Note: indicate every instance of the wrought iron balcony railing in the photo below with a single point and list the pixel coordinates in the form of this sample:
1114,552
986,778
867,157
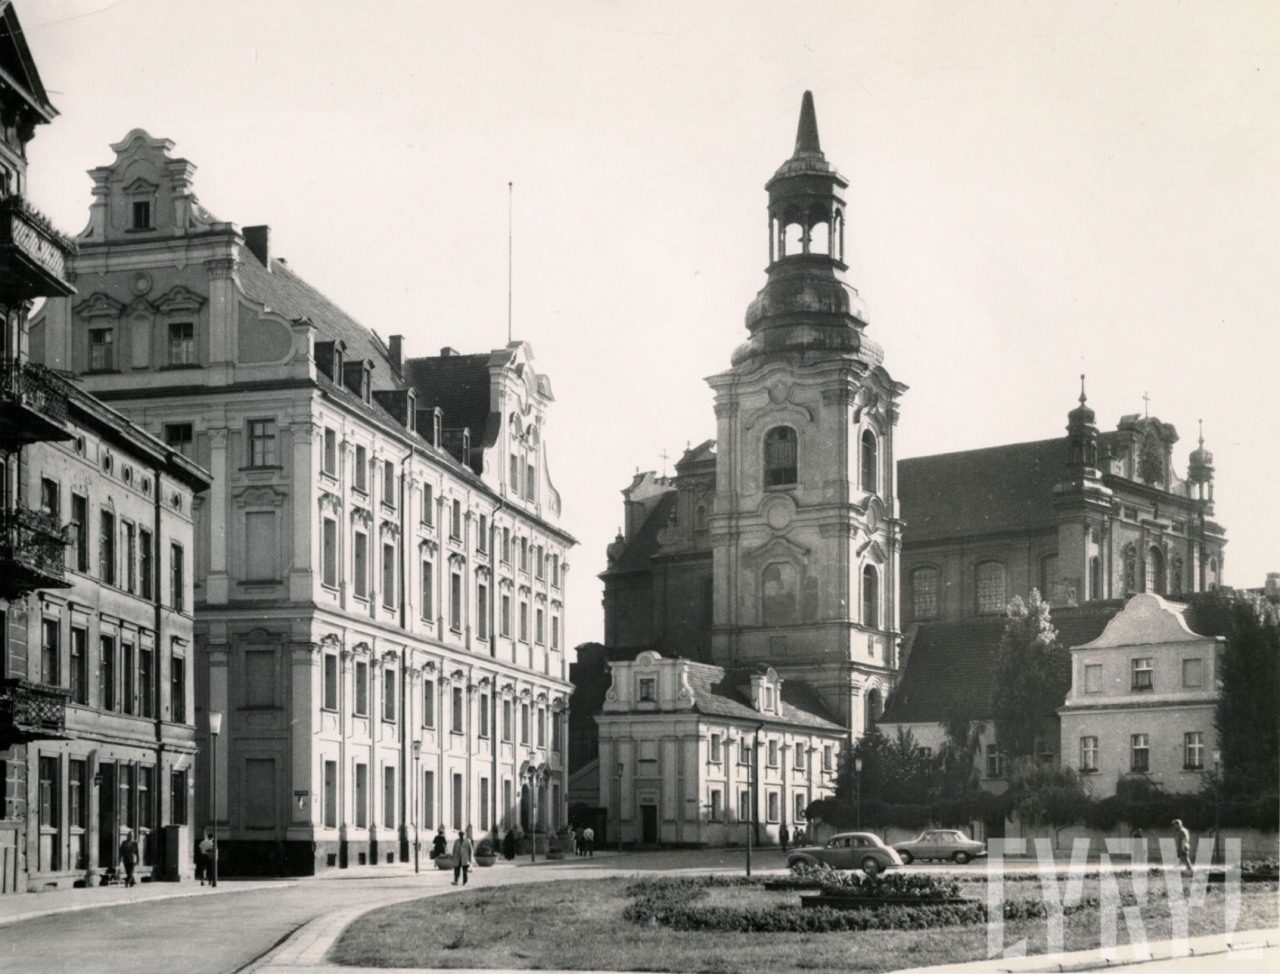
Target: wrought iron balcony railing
32,386
30,711
33,255
32,551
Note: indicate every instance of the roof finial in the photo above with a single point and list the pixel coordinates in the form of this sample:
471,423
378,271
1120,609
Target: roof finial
1146,405
1083,398
807,133
1201,424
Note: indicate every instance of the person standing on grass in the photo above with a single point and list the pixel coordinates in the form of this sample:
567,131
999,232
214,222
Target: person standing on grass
1183,838
461,858
589,841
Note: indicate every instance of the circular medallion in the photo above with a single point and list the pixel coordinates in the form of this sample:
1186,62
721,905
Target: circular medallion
779,512
140,284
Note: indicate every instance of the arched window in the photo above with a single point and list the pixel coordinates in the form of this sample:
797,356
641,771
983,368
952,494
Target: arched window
1048,576
988,580
780,595
780,457
1130,569
924,593
873,707
1213,573
1175,579
1155,570
870,597
869,480
1095,578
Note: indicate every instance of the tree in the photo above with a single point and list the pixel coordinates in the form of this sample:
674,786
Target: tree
1033,675
957,771
1248,714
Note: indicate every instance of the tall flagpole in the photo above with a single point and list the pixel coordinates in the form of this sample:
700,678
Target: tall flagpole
510,192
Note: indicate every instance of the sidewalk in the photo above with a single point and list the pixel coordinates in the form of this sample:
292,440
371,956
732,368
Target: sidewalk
28,906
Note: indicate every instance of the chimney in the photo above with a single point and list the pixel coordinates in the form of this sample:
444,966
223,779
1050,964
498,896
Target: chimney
447,352
395,348
1273,585
258,240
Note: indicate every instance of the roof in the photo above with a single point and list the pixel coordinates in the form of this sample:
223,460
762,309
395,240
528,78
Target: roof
716,693
458,384
639,551
19,67
950,659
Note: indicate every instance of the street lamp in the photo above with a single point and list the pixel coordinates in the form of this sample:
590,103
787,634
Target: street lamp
857,767
1217,793
215,728
417,786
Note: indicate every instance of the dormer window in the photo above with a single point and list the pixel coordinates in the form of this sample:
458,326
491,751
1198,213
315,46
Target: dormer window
768,698
142,215
337,362
364,385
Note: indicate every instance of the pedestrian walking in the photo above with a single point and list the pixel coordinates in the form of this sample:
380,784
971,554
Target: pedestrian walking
128,857
439,844
579,842
509,845
589,841
784,837
204,858
461,858
1183,838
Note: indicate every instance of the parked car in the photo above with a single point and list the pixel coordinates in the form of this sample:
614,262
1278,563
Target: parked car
940,844
849,850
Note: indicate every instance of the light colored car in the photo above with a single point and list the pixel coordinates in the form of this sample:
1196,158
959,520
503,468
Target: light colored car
940,844
849,850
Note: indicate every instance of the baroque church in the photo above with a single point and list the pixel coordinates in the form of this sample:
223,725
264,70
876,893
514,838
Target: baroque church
793,584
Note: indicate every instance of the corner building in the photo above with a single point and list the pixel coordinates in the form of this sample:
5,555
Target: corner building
379,580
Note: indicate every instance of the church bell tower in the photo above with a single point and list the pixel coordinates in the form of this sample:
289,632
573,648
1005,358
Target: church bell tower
806,536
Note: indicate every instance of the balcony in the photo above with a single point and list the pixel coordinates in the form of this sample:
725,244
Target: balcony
33,255
32,552
31,711
33,405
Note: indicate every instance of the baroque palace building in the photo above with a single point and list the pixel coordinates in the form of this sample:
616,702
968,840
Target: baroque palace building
380,568
97,735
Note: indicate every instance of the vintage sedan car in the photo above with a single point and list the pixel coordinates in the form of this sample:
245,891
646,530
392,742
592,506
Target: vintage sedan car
940,844
849,850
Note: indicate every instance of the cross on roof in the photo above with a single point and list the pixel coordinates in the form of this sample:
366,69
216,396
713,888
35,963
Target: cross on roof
1146,405
665,458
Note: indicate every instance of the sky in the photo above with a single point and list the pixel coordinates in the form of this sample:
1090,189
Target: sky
1037,190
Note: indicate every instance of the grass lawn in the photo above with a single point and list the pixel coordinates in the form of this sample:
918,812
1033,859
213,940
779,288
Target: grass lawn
578,925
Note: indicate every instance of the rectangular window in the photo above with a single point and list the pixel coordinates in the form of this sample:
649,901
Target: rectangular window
330,463
182,343
484,804
524,723
717,802
744,751
515,475
388,483
141,215
482,535
506,546
389,797
129,795
827,758
428,591
989,580
146,682
555,571
362,470
1142,673
107,673
362,796
1139,753
50,499
524,554
262,443
455,602
506,720
427,504
130,558
146,569
178,797
80,531
555,631
484,715
539,625
107,547
177,577
1193,751
772,806
538,562
330,682
102,356
482,612
457,801
542,727
455,522
50,652
178,688
648,689
362,688
146,798
800,757
556,743
457,712
524,622
77,794
330,554
180,437
80,667
389,576
802,803
428,703
995,762
773,754
50,814
505,619
530,482
331,794
1193,673
1092,677
388,694
360,566
744,805
715,748
428,799
1088,753
127,688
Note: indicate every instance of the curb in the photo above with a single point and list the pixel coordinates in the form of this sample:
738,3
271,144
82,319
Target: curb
183,895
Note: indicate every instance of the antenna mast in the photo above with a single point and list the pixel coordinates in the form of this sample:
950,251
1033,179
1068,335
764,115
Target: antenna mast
510,192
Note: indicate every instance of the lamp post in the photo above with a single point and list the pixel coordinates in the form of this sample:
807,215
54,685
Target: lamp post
857,768
417,787
1217,792
215,728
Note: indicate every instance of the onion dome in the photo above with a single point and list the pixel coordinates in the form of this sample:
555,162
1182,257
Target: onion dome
1201,467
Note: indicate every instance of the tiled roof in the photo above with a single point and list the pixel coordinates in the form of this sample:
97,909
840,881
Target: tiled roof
950,659
640,549
459,385
715,695
285,293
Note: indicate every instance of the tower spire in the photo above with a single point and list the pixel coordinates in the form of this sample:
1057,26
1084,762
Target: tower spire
807,131
1083,397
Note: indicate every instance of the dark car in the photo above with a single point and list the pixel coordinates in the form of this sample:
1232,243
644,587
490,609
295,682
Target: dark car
849,850
940,844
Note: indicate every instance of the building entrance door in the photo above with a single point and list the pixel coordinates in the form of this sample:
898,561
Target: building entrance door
649,824
108,837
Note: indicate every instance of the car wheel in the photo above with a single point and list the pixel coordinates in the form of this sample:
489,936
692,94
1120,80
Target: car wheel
907,858
961,858
870,866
